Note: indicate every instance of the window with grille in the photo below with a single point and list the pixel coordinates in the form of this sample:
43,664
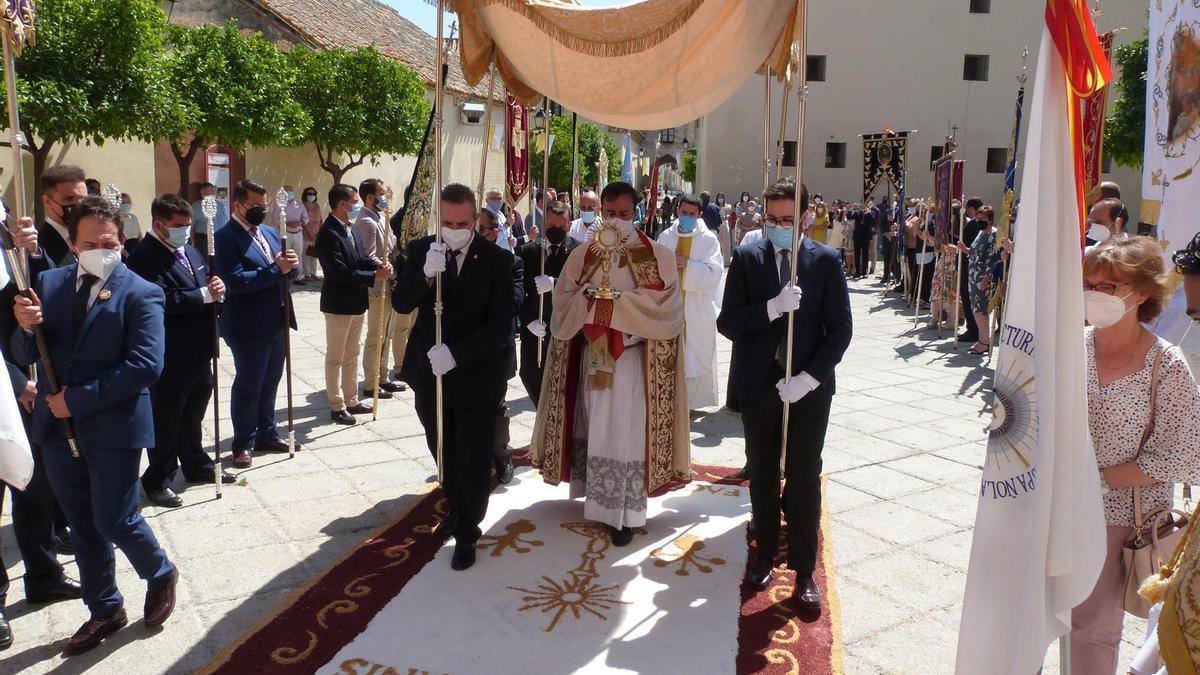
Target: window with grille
815,70
975,67
835,155
997,160
981,6
666,136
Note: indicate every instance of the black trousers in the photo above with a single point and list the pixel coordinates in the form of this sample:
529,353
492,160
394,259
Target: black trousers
530,372
862,256
180,401
33,527
971,330
501,450
467,454
889,260
762,420
925,276
910,269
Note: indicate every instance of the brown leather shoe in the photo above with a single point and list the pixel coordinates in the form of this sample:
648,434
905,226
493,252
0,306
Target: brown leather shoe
91,633
279,445
807,595
160,603
242,459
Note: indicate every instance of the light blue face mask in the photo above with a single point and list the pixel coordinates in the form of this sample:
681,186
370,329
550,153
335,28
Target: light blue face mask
781,237
355,211
588,217
687,224
178,236
383,204
495,204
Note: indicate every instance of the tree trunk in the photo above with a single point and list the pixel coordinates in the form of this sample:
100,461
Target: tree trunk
184,161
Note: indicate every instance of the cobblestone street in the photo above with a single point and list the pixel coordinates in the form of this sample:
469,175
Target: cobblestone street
903,455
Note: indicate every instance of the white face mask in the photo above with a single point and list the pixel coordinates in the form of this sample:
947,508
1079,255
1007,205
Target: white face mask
1191,349
457,240
99,262
625,225
1103,310
1098,232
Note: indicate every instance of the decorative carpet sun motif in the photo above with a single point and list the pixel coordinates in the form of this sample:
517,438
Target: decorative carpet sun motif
550,594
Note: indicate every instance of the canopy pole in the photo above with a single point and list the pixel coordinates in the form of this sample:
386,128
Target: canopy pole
487,129
436,212
799,64
783,117
16,138
545,207
574,163
766,129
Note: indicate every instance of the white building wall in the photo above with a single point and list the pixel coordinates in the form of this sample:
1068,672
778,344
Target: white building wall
908,79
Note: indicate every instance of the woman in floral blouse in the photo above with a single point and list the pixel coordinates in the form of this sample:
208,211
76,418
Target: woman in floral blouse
1124,287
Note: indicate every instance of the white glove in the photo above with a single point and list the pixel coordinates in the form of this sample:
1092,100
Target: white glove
545,284
435,259
788,300
538,328
795,389
441,361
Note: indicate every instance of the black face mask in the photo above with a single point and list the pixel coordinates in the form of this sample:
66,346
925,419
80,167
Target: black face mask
556,235
255,215
68,210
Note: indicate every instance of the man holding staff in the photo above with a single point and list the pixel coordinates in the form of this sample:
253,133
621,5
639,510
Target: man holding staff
477,314
758,298
379,243
543,262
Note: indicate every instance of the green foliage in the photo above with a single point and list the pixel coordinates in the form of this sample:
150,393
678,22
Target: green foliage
235,89
689,165
591,139
96,72
361,103
1125,129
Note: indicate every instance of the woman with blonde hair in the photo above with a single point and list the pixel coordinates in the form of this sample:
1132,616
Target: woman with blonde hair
1144,419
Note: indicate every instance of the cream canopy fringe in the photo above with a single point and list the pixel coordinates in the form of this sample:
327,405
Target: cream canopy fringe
653,64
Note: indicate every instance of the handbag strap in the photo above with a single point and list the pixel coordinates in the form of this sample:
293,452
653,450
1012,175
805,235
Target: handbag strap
1154,376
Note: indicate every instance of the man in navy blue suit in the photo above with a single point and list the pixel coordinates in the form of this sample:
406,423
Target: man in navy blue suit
253,263
180,397
758,298
103,326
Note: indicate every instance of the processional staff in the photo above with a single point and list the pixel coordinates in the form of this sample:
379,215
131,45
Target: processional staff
548,115
385,308
281,200
436,211
208,206
799,65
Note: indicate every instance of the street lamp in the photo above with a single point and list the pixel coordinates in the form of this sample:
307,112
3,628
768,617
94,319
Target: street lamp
686,145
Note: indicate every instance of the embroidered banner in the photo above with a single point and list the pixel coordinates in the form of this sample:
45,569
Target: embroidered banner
1093,131
516,150
947,186
19,14
883,156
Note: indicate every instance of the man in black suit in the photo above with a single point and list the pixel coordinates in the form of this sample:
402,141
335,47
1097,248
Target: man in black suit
757,300
62,189
866,221
180,396
557,247
349,275
477,298
488,227
34,509
970,229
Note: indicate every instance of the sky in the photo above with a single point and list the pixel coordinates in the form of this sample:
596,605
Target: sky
425,15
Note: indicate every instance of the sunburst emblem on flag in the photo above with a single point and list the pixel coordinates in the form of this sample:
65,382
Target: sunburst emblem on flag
1013,432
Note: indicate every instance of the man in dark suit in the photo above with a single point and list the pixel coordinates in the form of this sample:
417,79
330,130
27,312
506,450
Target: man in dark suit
970,229
488,227
252,262
557,246
349,275
180,397
477,296
758,297
62,189
34,508
104,328
866,221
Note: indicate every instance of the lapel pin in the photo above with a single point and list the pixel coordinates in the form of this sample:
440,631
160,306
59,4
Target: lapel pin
475,257
104,294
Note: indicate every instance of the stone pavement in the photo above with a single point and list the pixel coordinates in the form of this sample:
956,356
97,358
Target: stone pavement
902,455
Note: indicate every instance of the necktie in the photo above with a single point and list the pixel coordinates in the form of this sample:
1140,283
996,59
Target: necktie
785,276
183,260
262,243
452,265
79,305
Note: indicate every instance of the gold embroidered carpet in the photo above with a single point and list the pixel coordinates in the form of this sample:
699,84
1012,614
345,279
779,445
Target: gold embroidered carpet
550,594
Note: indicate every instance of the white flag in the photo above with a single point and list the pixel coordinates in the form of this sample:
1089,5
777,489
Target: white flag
16,460
1039,537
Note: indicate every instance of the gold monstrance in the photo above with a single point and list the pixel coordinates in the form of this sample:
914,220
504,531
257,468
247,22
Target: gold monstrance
607,241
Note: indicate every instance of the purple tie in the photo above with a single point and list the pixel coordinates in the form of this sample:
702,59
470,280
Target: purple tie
262,243
182,258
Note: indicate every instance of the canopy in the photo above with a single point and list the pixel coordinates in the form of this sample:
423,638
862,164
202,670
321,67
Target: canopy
653,64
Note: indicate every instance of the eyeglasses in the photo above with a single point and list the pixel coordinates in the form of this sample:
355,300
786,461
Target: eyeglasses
785,223
1107,289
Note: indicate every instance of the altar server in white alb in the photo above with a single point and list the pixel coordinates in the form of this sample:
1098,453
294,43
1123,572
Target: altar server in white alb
698,259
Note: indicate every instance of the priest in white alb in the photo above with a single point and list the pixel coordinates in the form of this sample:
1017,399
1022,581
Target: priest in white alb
612,420
699,262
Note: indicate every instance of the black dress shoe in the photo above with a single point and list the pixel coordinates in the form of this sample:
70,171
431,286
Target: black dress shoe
758,574
504,472
66,589
742,473
383,393
464,556
965,337
164,497
394,387
92,632
63,543
622,536
207,478
807,595
360,409
446,528
6,636
343,417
